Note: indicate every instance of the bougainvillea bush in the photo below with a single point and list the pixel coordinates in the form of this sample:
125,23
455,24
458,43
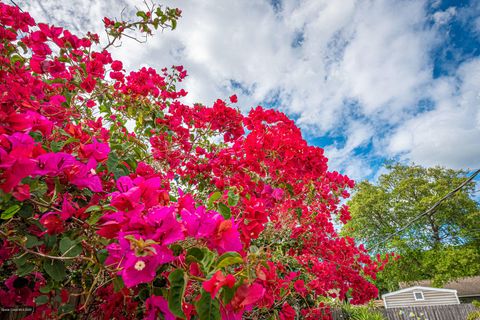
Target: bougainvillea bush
118,201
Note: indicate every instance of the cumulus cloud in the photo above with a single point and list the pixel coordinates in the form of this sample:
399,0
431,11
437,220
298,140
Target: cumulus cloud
359,135
444,17
353,68
447,135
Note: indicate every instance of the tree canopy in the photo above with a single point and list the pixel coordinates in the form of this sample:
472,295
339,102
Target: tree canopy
441,245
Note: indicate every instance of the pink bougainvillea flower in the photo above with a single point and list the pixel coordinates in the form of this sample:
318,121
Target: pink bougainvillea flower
155,305
233,98
16,152
199,223
124,183
138,258
96,150
217,281
84,176
128,201
54,164
167,229
150,190
30,121
18,170
277,194
138,270
226,237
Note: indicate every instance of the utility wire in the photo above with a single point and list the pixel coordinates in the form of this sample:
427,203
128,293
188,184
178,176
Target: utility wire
16,5
432,209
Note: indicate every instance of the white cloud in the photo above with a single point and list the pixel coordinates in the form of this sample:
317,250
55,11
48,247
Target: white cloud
449,134
359,135
358,68
444,17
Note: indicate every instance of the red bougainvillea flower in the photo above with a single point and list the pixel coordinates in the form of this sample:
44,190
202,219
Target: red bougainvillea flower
299,286
217,281
72,168
52,222
21,290
287,313
117,65
22,192
245,296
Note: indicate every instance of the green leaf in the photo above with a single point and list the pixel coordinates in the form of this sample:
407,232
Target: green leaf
229,258
55,269
177,290
21,260
50,240
23,46
207,308
16,58
32,241
214,197
142,14
118,284
174,24
207,260
94,217
102,255
56,146
41,300
93,208
120,171
177,249
227,294
233,198
70,248
299,213
8,214
194,254
25,269
66,308
224,211
47,288
37,136
290,189
26,211
112,162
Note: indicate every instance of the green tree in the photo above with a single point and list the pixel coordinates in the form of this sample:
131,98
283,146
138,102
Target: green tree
441,245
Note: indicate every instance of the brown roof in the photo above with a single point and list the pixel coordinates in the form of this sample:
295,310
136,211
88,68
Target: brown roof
465,286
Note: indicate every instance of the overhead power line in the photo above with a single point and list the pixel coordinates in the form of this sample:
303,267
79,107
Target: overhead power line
16,5
430,210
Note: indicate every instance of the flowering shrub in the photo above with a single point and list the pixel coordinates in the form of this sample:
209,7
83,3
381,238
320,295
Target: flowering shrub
119,201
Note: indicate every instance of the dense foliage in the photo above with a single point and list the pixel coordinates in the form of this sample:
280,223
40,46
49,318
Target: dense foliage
119,201
440,246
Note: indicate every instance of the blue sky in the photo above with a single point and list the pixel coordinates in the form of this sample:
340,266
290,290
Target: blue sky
368,80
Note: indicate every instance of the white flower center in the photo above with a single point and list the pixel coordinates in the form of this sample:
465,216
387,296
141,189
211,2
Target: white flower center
140,265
